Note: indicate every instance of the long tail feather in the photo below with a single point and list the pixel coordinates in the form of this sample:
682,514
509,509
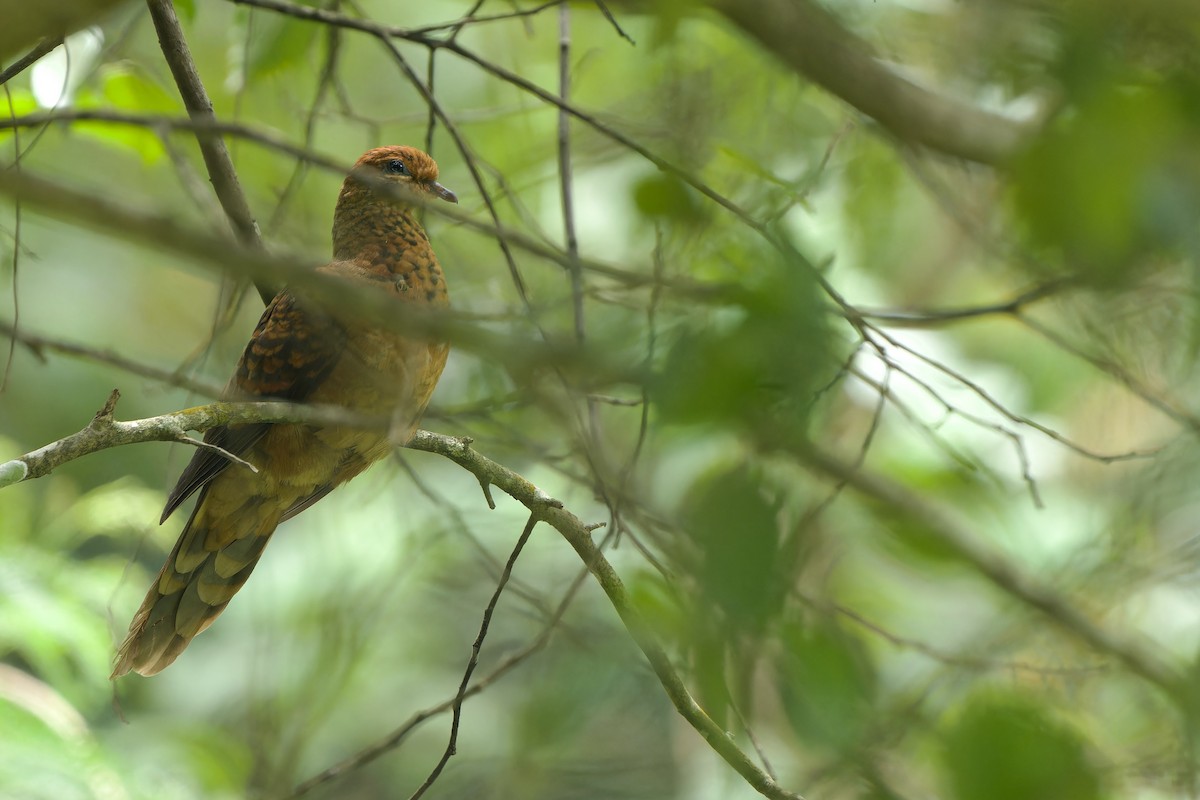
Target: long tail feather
208,565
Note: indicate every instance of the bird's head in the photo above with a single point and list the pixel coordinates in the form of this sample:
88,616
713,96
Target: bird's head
403,166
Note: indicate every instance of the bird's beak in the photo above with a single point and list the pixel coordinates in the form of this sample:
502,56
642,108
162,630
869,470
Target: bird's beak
443,192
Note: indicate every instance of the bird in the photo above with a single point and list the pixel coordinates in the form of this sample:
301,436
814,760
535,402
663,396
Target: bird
303,353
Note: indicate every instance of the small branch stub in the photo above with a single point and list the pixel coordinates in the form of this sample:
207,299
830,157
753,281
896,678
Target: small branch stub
104,416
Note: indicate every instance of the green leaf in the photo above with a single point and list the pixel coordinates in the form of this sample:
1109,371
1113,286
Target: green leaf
737,532
755,364
1115,179
664,196
274,44
1006,747
828,684
127,90
22,102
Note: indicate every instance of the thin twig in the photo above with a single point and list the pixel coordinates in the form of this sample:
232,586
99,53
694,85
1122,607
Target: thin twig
16,253
471,18
564,168
1174,410
37,344
396,737
542,249
950,659
325,82
23,63
931,318
456,708
612,20
986,397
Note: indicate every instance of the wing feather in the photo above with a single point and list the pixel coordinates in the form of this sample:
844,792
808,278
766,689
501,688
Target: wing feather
290,353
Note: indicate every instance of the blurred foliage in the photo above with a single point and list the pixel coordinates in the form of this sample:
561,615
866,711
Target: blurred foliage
864,658
1009,747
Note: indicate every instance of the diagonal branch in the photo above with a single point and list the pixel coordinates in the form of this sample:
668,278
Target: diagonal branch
456,706
163,230
37,345
39,50
105,432
812,42
216,155
579,536
1001,572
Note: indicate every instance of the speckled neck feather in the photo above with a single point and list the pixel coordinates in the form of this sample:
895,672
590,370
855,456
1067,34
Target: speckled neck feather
382,234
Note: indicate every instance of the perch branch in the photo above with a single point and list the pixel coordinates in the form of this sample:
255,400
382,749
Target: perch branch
105,432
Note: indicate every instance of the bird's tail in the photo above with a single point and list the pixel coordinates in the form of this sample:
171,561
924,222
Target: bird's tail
214,556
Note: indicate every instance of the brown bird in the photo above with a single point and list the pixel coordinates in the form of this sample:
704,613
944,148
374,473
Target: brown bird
300,352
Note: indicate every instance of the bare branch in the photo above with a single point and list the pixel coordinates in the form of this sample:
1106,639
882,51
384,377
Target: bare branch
221,451
456,708
456,25
330,292
396,737
159,123
809,40
29,59
36,344
1005,575
216,157
928,318
577,534
1168,406
105,432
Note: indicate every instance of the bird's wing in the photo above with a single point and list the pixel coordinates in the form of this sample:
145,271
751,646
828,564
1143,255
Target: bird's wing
290,353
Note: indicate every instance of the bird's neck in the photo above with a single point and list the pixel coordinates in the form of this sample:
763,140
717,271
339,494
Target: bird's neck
372,229
384,238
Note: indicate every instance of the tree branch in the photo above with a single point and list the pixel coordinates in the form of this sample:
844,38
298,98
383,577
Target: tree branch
163,231
1001,572
218,253
105,432
811,41
29,59
37,344
579,537
463,686
216,155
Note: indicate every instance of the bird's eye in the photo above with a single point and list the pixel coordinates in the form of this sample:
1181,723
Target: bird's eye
395,167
